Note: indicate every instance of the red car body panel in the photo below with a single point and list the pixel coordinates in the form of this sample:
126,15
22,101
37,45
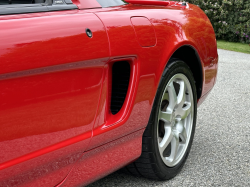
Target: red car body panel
144,30
45,98
56,125
83,4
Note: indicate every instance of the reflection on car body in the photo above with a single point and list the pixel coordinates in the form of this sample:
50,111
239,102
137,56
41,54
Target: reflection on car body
88,87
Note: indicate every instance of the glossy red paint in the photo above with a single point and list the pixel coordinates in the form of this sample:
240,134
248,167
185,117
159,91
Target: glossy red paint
156,2
50,85
149,2
55,86
84,4
105,160
144,31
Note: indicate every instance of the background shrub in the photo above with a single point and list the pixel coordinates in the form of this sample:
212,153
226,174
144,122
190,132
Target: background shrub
230,18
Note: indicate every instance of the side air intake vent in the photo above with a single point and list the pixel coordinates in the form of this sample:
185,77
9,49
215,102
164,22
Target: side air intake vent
120,82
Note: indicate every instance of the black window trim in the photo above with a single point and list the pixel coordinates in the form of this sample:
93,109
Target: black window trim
49,5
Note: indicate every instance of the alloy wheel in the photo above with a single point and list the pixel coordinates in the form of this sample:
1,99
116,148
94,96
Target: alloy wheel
175,119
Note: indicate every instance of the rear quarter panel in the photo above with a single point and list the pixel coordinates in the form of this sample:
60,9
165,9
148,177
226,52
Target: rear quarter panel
174,27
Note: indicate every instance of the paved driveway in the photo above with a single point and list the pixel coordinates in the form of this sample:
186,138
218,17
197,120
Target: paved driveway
220,155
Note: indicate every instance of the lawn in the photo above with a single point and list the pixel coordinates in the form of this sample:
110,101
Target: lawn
232,46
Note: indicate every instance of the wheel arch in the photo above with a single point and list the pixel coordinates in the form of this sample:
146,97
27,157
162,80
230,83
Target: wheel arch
190,56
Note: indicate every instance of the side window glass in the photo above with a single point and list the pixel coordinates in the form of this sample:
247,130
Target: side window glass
110,3
8,2
8,7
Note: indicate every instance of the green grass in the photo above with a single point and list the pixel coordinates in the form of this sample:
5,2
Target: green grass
232,46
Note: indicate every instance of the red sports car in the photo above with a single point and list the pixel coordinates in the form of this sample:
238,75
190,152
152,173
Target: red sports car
90,86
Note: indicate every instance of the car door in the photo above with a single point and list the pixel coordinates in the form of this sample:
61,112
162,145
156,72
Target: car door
51,72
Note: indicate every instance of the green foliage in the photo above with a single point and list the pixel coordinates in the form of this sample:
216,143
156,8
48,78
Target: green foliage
233,46
230,18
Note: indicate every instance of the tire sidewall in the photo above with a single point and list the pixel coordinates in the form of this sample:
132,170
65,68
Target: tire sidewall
174,67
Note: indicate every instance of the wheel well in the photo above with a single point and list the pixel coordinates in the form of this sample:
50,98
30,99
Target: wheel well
191,58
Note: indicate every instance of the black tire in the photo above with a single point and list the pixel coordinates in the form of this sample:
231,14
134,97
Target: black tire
150,163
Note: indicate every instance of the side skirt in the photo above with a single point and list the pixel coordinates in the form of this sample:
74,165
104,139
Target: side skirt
103,160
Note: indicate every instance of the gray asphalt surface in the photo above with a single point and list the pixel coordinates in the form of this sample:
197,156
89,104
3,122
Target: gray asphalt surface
220,155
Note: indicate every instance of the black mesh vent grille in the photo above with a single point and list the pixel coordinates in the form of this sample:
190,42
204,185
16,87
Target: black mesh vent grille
120,82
